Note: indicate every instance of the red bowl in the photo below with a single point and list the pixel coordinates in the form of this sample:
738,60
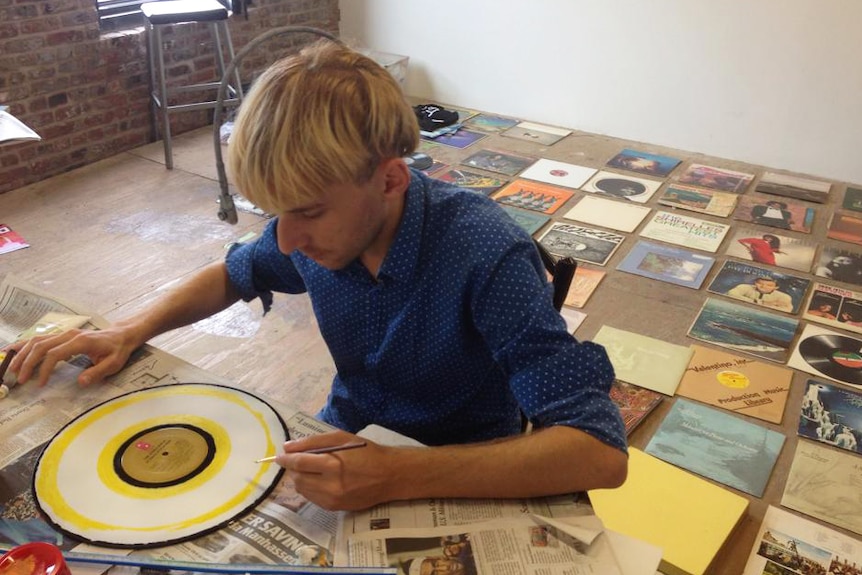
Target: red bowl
35,558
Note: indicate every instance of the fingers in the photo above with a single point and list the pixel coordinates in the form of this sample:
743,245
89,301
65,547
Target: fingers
34,352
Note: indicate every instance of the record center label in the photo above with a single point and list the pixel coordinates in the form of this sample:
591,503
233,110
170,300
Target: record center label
847,359
164,455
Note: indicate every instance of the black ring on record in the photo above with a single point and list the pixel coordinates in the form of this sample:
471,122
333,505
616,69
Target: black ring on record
818,350
121,471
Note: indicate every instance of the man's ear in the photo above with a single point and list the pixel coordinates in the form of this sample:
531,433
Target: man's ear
395,175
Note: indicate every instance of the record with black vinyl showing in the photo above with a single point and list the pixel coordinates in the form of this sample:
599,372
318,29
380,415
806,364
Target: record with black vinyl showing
620,187
159,465
836,356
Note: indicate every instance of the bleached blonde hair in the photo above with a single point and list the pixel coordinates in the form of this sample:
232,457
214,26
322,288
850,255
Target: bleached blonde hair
325,116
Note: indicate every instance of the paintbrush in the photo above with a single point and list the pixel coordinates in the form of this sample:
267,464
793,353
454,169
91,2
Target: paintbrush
330,449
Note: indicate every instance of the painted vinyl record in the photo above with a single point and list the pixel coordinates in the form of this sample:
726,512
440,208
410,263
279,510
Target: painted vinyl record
620,187
836,356
159,465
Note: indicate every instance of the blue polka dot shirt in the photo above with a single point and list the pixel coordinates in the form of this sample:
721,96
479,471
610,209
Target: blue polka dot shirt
454,337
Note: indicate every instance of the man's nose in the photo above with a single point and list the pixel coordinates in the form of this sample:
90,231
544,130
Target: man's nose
291,236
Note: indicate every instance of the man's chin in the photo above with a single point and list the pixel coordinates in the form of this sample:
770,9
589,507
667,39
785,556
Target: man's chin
332,264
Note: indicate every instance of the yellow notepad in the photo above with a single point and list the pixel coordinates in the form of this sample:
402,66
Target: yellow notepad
688,517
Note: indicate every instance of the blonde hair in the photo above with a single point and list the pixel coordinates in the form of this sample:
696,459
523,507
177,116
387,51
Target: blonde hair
323,117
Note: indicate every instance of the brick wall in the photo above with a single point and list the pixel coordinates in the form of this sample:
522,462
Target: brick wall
86,91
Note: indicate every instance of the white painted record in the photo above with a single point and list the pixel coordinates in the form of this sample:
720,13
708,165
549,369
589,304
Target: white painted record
159,465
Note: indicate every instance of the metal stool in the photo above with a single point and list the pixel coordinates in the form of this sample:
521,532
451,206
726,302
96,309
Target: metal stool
215,15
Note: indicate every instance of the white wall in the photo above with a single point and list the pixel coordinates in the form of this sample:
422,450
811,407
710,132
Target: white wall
771,82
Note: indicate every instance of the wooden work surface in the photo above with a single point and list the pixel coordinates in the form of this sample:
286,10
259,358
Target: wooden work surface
112,236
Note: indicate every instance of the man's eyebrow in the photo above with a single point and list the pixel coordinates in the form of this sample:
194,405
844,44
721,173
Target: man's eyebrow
305,208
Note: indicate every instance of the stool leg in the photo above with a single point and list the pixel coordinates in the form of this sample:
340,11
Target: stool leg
161,99
234,87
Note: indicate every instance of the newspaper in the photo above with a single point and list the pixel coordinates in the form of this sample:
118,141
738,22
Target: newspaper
284,529
530,545
542,535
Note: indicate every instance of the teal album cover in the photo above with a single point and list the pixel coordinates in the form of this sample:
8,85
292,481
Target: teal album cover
717,445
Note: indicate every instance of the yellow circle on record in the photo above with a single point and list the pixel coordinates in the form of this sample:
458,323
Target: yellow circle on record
144,466
200,468
733,379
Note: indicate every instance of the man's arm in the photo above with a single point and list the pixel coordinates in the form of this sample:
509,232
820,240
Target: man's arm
549,461
205,293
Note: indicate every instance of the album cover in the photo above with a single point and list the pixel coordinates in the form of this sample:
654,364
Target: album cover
490,124
736,383
832,415
712,202
11,241
464,114
839,264
474,181
717,445
823,483
826,353
835,307
716,178
433,168
621,186
583,244
667,264
785,541
760,286
608,213
845,227
794,187
460,138
772,249
852,199
530,221
744,329
534,196
558,173
537,133
643,163
573,318
768,211
685,231
634,403
499,162
644,361
583,285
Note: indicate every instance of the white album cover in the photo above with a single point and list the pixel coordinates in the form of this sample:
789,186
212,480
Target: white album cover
608,214
558,173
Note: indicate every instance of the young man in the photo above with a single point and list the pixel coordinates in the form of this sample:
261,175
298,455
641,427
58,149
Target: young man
764,291
432,301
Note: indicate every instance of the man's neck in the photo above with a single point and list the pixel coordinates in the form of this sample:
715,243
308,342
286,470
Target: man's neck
372,258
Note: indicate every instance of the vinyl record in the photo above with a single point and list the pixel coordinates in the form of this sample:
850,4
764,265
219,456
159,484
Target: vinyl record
836,356
620,187
159,465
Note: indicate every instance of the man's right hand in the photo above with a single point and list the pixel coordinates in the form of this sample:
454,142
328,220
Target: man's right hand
108,349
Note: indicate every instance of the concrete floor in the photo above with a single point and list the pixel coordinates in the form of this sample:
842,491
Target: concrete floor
114,235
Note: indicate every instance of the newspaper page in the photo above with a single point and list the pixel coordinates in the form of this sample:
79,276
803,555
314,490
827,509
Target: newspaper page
530,545
268,534
284,528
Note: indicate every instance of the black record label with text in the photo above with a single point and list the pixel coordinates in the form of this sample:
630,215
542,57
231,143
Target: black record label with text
836,356
159,465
